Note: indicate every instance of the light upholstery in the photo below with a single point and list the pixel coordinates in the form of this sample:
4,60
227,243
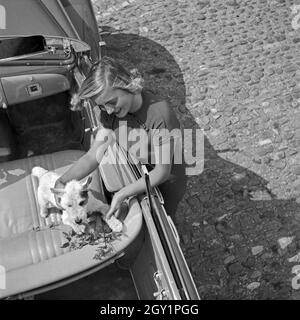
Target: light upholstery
30,250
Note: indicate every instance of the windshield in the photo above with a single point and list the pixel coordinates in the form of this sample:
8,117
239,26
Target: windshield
84,20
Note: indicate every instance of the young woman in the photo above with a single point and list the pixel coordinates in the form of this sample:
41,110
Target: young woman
125,104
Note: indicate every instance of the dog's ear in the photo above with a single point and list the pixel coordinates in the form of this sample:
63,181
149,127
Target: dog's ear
87,183
58,192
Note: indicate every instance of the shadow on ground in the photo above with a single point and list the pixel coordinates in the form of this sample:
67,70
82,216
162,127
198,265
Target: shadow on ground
230,222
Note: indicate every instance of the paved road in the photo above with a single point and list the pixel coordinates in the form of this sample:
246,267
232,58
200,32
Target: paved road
230,67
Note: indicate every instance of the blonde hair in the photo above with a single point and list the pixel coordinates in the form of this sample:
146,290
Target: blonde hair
106,72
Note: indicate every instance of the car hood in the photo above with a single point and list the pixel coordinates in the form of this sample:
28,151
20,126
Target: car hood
72,19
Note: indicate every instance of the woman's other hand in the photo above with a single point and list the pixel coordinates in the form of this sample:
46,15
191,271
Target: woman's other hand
116,202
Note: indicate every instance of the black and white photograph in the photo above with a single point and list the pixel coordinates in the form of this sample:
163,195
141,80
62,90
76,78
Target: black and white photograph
149,150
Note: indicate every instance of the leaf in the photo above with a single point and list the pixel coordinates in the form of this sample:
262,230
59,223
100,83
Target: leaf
67,236
65,245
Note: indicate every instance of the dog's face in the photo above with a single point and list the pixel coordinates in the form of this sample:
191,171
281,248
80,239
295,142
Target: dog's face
74,200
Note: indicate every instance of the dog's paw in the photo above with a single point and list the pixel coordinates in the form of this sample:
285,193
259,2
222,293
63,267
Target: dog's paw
79,228
114,224
44,213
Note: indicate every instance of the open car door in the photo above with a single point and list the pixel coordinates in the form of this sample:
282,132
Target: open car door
172,276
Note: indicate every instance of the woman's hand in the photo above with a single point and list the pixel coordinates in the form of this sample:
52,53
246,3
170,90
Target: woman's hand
158,175
116,202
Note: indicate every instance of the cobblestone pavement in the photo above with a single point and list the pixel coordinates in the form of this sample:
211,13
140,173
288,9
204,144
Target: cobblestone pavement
230,67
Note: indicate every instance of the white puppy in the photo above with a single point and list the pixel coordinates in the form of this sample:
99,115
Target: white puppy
73,200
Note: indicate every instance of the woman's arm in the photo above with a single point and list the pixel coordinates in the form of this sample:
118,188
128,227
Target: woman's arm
158,175
88,162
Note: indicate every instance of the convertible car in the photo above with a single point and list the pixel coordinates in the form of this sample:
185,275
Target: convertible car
46,49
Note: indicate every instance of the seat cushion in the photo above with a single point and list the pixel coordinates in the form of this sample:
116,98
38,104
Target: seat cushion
30,249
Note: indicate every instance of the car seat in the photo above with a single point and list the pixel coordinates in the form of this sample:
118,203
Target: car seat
31,251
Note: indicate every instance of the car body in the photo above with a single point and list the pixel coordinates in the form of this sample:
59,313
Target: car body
43,59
